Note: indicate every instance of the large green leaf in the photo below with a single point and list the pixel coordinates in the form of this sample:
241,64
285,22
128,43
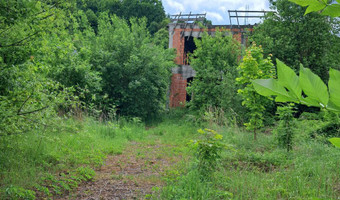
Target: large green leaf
335,142
271,87
332,107
288,79
310,102
304,2
332,10
313,86
315,6
334,88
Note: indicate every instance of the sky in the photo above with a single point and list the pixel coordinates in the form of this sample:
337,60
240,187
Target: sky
216,10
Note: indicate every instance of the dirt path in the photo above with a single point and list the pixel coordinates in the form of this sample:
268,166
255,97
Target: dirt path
131,175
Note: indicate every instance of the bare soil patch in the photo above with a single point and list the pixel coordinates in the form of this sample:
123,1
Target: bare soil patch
131,175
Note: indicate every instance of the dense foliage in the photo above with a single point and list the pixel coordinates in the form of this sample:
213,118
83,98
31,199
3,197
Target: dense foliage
285,130
214,61
49,48
295,38
135,72
67,68
152,10
28,96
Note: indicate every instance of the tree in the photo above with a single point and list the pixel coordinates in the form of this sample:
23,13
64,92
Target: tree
254,66
28,98
67,52
214,61
152,10
295,38
135,72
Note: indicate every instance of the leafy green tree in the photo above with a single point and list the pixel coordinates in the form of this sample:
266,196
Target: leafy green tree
28,98
135,72
295,38
214,61
67,52
254,66
152,10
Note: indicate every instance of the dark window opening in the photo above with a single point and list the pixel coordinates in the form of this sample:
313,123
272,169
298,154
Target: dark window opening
189,48
189,81
243,39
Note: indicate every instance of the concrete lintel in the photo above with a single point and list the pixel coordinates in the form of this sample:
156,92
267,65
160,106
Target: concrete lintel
185,70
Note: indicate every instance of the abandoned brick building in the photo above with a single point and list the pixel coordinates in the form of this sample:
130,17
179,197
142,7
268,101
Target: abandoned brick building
182,31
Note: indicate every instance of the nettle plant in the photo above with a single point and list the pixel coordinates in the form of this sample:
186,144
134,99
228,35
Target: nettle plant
307,89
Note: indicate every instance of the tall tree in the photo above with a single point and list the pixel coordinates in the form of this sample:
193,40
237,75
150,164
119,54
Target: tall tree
152,10
135,71
296,38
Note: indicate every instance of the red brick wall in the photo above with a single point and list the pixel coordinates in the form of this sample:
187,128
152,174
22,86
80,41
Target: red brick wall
178,91
178,44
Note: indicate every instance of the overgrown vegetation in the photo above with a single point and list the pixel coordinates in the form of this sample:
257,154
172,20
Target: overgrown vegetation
80,79
290,35
215,61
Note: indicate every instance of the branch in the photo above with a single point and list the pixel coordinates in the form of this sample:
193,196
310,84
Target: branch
33,111
23,104
20,41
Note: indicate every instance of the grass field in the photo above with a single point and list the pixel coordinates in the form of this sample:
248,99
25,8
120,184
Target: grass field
53,162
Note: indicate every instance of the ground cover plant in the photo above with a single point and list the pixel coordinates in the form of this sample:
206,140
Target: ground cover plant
51,162
261,170
247,169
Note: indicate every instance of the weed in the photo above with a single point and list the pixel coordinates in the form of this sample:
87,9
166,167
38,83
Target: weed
286,128
208,150
15,192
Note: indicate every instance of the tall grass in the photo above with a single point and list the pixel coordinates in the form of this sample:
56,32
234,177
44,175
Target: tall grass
261,170
26,160
255,170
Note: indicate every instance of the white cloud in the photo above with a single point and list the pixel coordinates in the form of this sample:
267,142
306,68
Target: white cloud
214,15
178,7
223,9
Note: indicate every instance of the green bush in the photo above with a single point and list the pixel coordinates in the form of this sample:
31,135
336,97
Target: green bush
214,61
135,72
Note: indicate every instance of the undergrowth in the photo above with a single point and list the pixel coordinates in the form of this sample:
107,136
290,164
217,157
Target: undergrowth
261,170
53,161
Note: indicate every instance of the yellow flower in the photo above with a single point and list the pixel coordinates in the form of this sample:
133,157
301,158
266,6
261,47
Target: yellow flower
218,136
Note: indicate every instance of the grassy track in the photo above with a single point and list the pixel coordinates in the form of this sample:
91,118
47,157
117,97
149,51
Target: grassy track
53,163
